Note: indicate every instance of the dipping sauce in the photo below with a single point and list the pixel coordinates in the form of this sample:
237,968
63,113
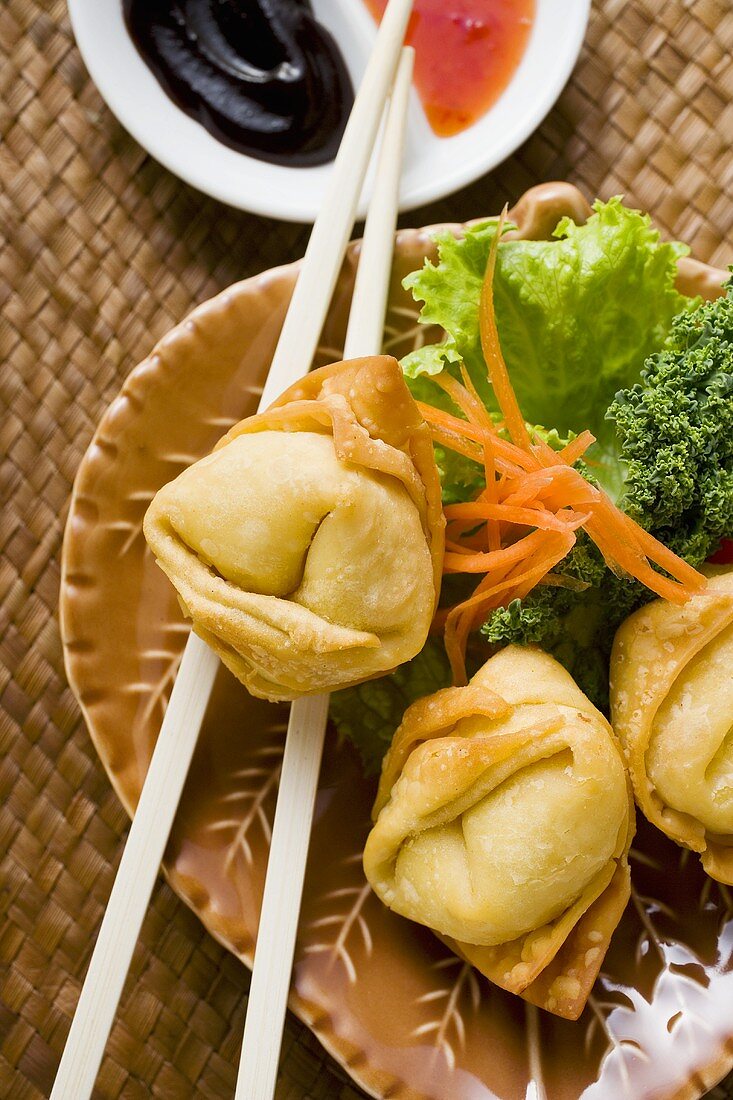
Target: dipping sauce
262,76
466,52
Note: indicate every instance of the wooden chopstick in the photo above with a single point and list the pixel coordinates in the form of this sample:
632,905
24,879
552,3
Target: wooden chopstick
307,726
179,732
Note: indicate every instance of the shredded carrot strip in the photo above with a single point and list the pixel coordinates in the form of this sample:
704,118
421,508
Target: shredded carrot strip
529,517
655,550
634,551
490,493
470,405
571,452
509,452
495,588
442,419
491,348
446,438
484,417
493,532
462,618
465,547
483,563
555,487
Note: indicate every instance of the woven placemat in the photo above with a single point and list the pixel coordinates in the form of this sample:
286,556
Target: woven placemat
102,252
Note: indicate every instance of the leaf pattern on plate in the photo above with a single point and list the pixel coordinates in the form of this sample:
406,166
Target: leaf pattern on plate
224,423
328,353
457,989
338,927
132,529
250,805
156,692
401,326
707,897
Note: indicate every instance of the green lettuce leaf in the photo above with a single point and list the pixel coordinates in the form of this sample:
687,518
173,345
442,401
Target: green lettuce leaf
577,316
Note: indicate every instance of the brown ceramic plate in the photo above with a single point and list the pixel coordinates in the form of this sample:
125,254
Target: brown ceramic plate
403,1015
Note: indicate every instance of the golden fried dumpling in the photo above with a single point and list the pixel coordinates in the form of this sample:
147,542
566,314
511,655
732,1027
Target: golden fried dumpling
307,548
672,707
503,822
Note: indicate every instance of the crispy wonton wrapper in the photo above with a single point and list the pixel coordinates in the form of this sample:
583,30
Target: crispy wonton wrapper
672,707
307,548
503,822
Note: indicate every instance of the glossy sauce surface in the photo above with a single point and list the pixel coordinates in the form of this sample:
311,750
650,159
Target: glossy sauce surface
466,52
262,76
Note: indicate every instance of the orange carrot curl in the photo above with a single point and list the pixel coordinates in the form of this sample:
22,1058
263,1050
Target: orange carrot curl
528,486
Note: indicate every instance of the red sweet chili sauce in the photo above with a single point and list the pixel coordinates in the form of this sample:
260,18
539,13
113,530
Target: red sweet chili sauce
466,52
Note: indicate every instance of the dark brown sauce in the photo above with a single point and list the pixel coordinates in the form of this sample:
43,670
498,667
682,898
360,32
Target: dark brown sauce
262,76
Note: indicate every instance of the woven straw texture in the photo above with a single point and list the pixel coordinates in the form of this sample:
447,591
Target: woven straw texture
102,252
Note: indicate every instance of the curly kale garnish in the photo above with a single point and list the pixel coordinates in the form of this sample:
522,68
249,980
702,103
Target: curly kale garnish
675,434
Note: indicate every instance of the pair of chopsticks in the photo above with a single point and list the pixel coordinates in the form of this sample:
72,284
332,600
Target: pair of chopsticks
388,74
307,725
